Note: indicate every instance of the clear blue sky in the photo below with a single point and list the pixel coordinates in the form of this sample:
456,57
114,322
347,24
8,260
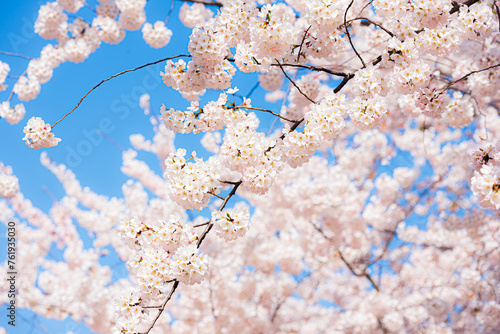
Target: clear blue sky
114,103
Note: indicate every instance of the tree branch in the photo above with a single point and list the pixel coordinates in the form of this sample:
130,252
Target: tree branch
301,43
465,77
456,5
222,206
114,76
375,24
293,82
314,68
162,308
206,2
15,54
268,111
349,35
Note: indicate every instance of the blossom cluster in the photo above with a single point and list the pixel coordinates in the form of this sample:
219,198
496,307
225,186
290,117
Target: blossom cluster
194,15
4,71
9,184
155,267
157,35
231,225
38,134
485,183
192,184
14,114
212,117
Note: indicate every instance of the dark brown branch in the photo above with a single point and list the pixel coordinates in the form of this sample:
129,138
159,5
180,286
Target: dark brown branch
456,5
364,273
294,126
302,43
214,194
293,82
202,224
114,76
206,2
162,308
370,21
466,76
314,68
222,206
349,35
230,182
498,13
343,83
268,111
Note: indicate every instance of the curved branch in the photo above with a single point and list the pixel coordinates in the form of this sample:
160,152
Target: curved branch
114,76
268,111
206,2
302,43
222,206
349,35
370,21
314,68
293,82
456,5
466,76
162,308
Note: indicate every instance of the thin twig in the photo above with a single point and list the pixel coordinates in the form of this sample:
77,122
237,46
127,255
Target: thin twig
12,91
90,7
363,273
222,206
392,233
206,2
301,43
49,193
293,82
160,310
268,111
375,24
456,8
498,13
349,35
230,182
465,77
314,68
456,5
202,224
257,84
111,140
15,54
114,76
214,194
170,11
362,9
